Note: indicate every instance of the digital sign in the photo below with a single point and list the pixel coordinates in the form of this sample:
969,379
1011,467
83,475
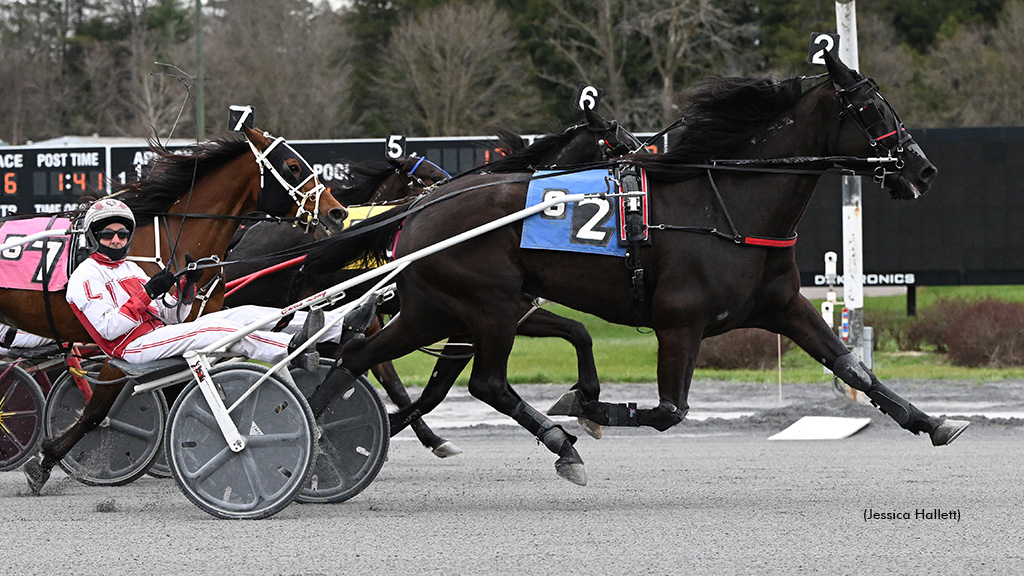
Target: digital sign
49,179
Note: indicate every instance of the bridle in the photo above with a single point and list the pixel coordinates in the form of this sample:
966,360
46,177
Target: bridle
415,181
868,115
625,142
276,153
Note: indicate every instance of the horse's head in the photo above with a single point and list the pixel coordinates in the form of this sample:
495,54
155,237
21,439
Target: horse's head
418,174
293,188
870,125
613,139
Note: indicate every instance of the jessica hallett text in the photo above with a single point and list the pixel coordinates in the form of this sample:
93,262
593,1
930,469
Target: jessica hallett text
871,514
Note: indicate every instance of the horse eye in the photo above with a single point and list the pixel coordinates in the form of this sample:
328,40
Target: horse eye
295,168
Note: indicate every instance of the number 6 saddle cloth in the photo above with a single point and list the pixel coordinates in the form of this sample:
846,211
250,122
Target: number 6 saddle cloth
592,225
24,266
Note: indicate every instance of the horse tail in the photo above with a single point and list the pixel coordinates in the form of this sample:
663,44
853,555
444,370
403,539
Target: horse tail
366,243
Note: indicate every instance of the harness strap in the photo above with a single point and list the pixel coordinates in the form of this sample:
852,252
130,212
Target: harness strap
734,235
633,231
47,274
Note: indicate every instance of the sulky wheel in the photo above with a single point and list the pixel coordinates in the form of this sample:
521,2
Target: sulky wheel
354,440
21,416
265,476
159,467
122,447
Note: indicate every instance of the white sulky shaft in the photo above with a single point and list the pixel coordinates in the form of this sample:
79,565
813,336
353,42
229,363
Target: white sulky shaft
18,240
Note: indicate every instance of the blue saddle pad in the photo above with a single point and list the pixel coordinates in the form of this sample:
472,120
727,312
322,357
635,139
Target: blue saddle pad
588,226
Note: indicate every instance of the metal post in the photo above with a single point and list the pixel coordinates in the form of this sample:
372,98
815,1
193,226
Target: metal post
200,106
853,245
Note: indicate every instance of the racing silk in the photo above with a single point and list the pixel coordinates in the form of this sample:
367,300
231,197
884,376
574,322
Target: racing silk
109,300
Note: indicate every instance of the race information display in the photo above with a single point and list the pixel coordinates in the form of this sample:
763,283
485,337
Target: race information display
49,180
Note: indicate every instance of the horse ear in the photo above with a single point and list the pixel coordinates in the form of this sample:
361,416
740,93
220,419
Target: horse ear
837,70
255,135
395,163
595,121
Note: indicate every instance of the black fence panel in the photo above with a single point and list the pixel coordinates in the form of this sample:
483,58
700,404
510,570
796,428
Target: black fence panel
966,230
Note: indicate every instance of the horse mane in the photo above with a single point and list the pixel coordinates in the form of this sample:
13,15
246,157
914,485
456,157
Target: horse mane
172,175
364,179
525,159
724,116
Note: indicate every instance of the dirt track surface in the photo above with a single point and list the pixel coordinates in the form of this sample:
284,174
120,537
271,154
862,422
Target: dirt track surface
707,497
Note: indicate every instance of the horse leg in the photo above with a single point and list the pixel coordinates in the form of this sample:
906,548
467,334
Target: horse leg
544,323
402,336
51,451
801,323
677,358
489,383
387,376
442,378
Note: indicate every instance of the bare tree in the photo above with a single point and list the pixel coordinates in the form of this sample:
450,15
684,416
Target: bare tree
286,57
686,38
455,70
595,43
31,95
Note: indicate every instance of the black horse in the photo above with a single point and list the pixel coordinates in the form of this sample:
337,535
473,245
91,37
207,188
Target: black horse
380,182
725,203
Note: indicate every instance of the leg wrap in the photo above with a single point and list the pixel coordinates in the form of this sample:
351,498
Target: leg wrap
622,414
662,417
852,371
550,434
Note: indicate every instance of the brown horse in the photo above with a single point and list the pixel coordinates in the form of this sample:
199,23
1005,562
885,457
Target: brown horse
188,204
725,203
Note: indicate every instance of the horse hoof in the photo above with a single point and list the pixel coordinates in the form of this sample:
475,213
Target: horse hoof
446,449
572,471
35,474
948,431
568,405
590,427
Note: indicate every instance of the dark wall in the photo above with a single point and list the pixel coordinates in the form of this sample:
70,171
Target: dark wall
966,230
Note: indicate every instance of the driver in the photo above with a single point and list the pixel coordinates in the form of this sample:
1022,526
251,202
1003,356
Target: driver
132,316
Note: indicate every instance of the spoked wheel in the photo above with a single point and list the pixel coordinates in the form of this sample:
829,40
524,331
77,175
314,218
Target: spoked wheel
266,475
124,445
21,416
354,440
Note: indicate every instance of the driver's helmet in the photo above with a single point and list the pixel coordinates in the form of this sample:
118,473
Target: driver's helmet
100,215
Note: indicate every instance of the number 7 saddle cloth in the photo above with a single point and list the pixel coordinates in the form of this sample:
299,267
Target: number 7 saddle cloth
24,266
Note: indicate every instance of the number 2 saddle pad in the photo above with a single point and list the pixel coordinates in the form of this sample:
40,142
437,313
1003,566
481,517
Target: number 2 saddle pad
588,226
24,266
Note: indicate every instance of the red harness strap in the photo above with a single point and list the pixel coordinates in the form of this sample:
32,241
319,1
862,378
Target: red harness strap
770,242
238,283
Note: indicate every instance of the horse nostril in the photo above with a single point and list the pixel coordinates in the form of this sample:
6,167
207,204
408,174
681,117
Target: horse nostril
337,214
929,173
